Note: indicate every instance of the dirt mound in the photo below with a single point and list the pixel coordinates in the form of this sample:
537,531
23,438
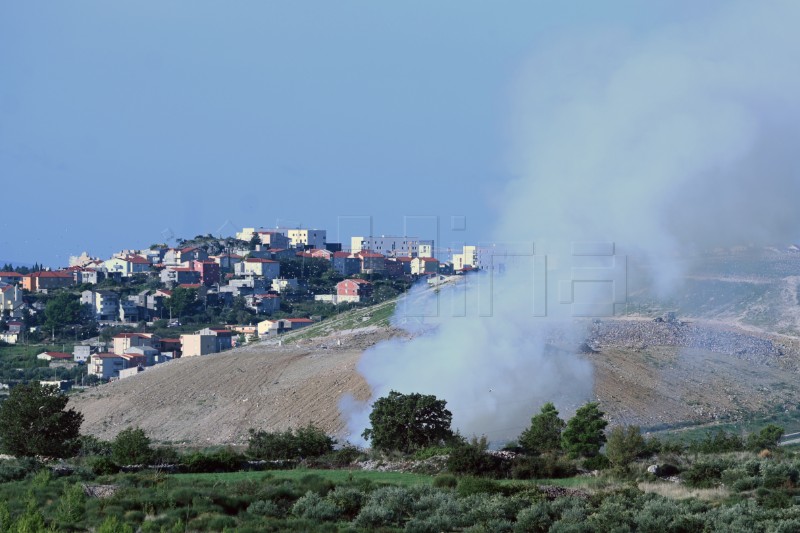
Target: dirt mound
215,399
646,373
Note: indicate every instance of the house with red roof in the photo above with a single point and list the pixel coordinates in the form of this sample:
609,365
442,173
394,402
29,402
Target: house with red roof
371,263
128,265
10,277
46,280
353,290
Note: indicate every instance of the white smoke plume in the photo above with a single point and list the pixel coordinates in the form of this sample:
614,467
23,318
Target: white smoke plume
679,141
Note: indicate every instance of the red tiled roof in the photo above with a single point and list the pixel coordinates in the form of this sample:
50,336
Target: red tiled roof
403,259
164,291
137,260
358,281
6,288
59,355
181,269
189,285
188,249
170,340
428,259
341,254
49,274
105,355
258,260
369,254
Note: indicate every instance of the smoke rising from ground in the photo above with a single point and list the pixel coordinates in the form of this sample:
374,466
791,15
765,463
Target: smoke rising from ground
679,141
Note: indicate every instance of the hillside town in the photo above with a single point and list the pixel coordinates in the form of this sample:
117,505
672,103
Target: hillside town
142,307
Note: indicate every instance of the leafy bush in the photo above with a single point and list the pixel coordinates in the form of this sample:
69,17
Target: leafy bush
598,462
544,433
264,508
535,519
445,481
704,474
102,465
766,439
719,442
469,485
471,458
386,506
624,445
432,451
313,507
16,469
224,460
131,447
547,466
348,500
298,444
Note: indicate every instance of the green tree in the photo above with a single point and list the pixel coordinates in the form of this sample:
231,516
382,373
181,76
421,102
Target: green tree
583,434
766,439
624,445
62,310
544,434
131,447
408,422
182,302
34,421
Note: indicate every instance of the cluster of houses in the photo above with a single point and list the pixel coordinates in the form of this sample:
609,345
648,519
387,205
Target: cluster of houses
251,270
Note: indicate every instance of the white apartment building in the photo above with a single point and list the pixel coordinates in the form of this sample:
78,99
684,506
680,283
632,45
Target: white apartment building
393,246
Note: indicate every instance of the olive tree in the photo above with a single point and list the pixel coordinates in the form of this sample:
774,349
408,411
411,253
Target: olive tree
34,421
408,422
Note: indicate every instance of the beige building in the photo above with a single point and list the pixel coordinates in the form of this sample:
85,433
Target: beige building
393,246
125,341
424,265
197,344
468,258
314,238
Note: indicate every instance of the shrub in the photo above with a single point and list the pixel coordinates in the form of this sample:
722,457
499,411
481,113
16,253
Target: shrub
535,519
224,460
264,508
548,466
766,439
386,506
469,485
624,445
348,500
471,458
445,481
704,474
719,442
598,462
131,447
313,507
16,469
298,444
432,451
102,465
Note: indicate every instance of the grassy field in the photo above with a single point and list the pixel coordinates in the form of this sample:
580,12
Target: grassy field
393,478
376,315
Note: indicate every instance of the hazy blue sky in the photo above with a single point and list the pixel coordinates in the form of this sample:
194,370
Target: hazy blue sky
120,120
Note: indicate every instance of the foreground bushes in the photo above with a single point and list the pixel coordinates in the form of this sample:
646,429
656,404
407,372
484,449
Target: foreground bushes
298,444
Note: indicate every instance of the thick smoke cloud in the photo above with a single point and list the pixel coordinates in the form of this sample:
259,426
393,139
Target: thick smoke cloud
679,141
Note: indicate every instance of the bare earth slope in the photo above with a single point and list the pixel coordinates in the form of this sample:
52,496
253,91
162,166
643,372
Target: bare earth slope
645,373
216,399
